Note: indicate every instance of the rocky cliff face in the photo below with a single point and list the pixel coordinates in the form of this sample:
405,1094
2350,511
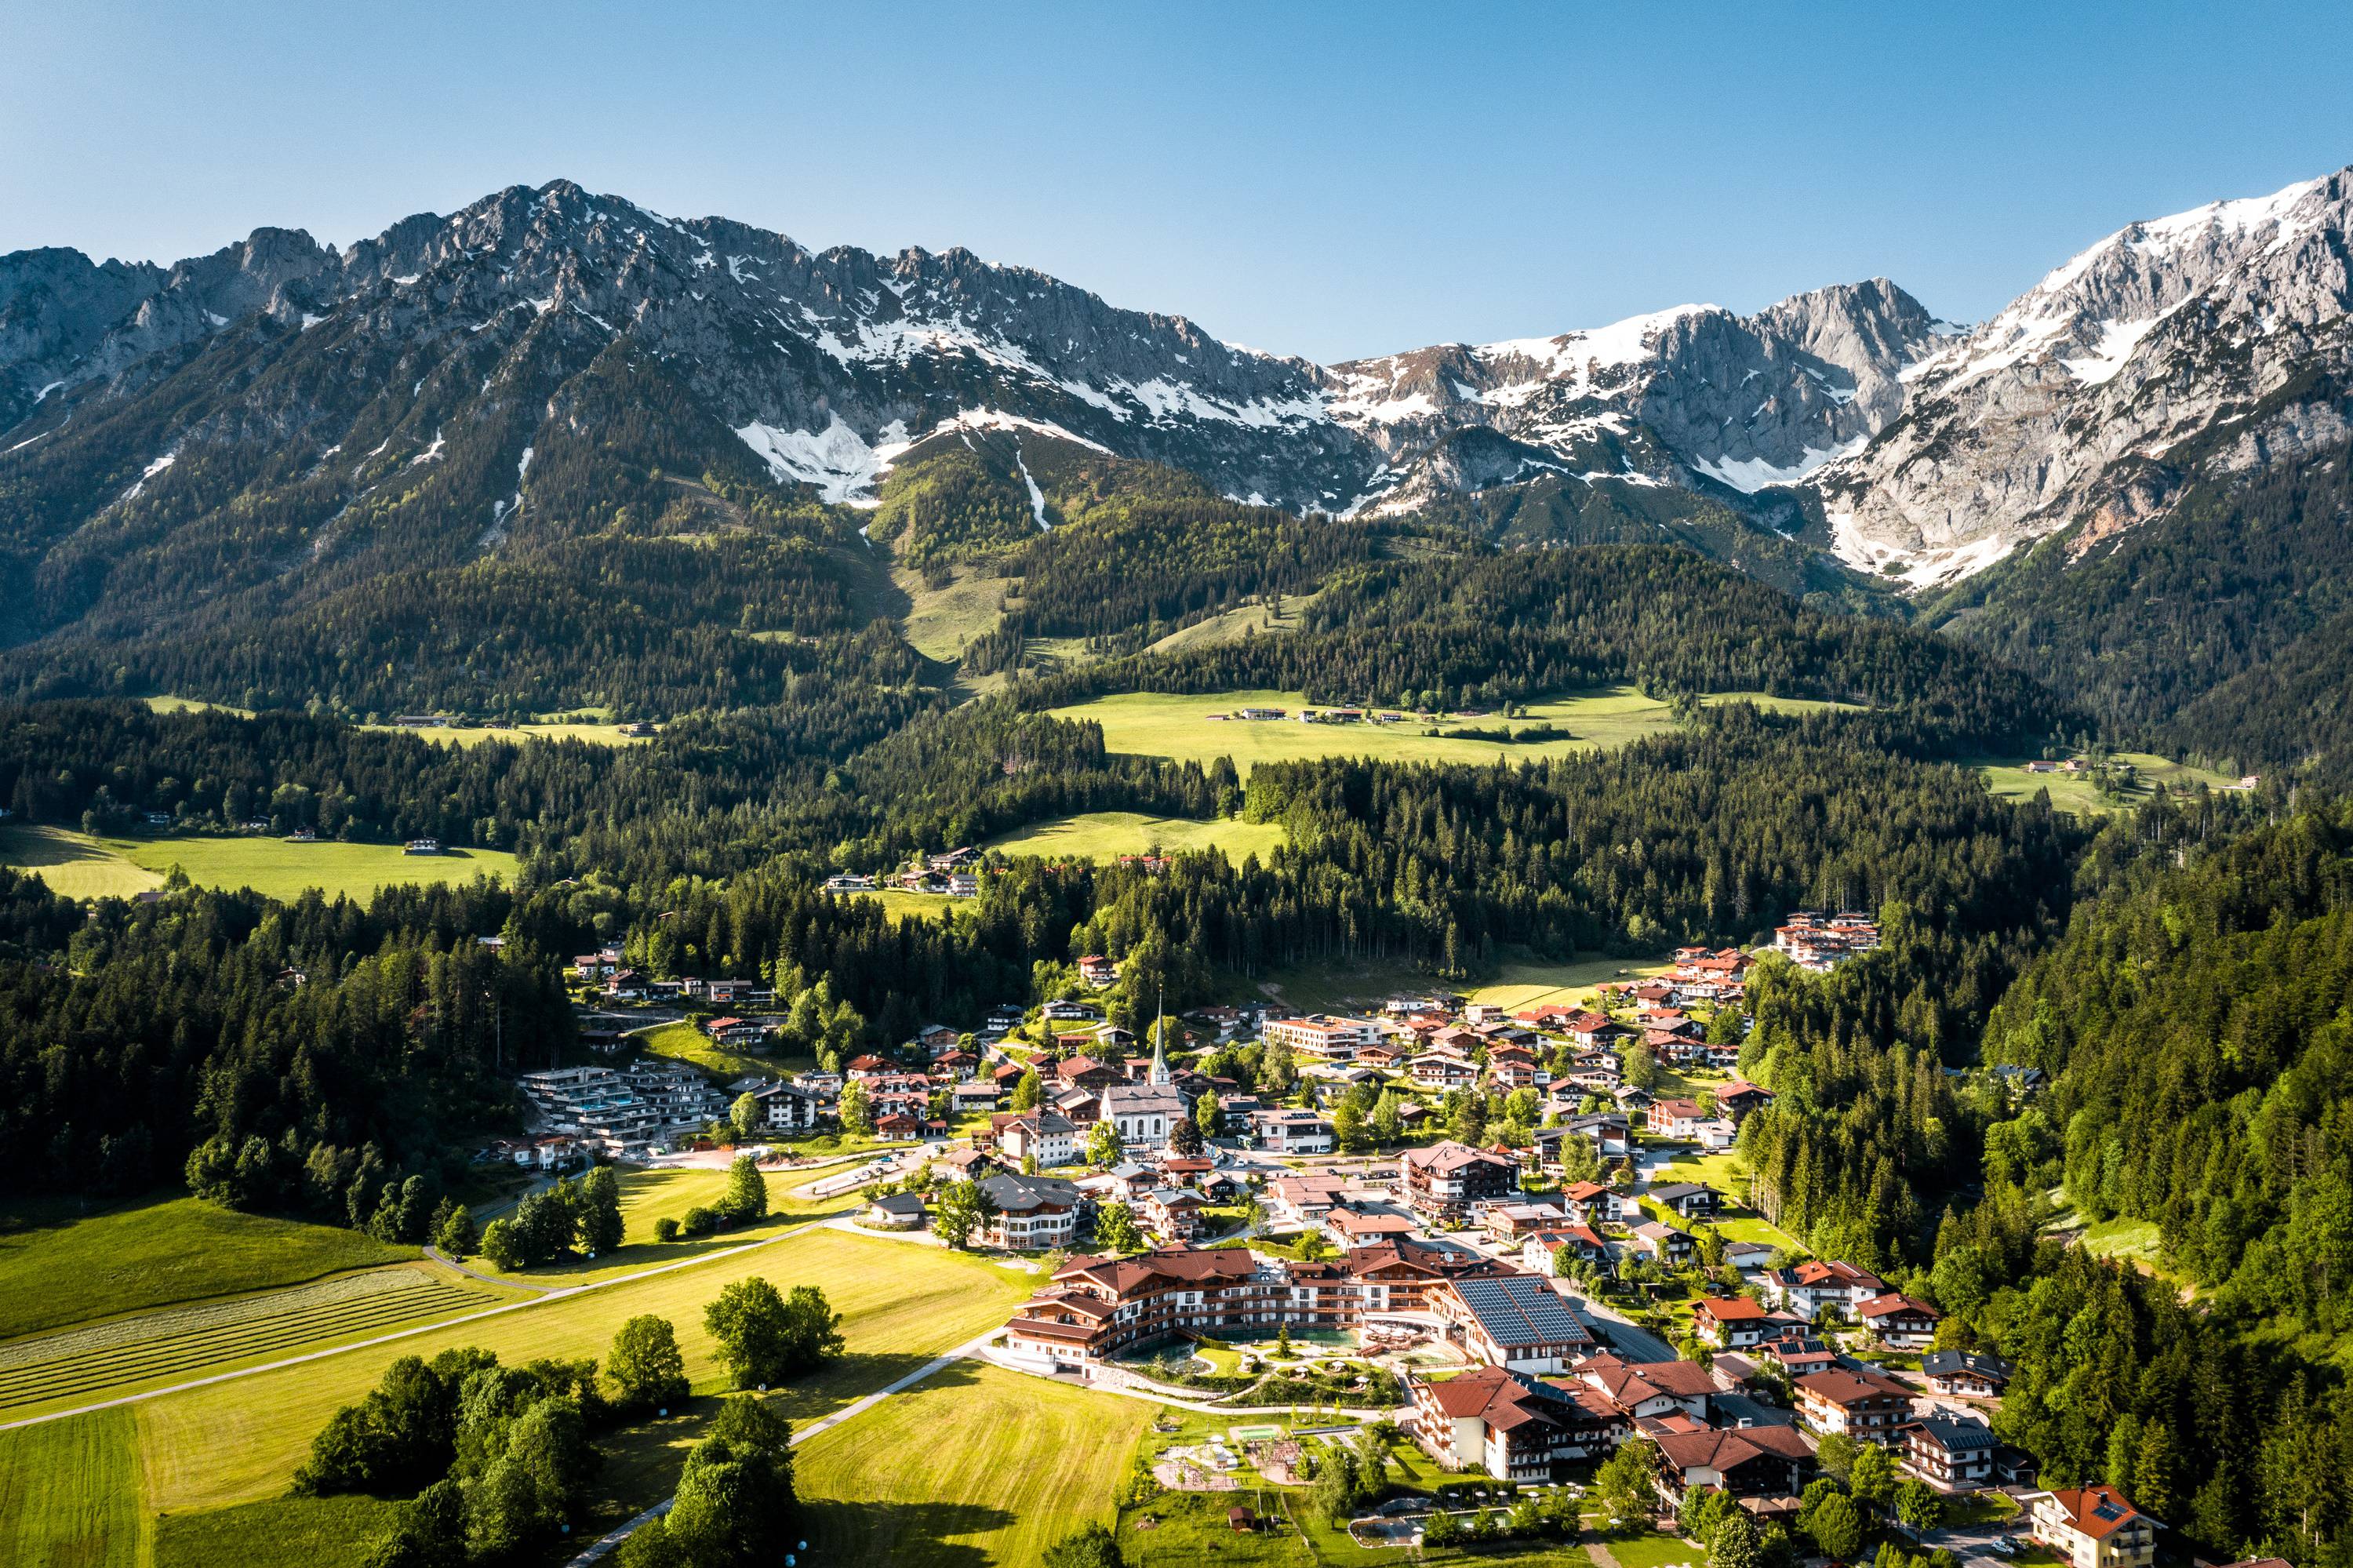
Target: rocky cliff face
2213,337
828,364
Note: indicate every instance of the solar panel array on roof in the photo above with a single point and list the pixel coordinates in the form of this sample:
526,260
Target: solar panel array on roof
1520,1310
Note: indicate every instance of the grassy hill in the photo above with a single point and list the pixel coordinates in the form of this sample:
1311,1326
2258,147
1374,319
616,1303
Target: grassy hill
80,866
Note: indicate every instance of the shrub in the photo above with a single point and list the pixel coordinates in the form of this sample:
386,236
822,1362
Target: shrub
666,1229
699,1221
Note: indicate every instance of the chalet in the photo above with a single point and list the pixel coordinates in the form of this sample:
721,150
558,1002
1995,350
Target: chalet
1647,1391
1511,1068
625,985
1513,1320
1817,1283
1900,1320
973,1097
790,1107
1737,1098
1442,1070
1590,1203
2093,1526
1288,1130
1951,1455
1541,1252
1744,1462
1611,1134
1355,1228
1662,1245
1032,1212
1515,1221
1098,971
728,1029
1688,1198
1965,1375
414,846
1731,1323
1066,1010
1044,1136
1677,1118
728,990
1865,1405
1173,1214
1450,1182
898,1127
1305,1200
1381,1055
1513,1426
1798,1356
846,882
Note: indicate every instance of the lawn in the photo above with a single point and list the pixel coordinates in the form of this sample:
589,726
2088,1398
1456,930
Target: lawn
1650,1549
1107,835
2011,781
79,866
685,1042
239,1441
914,906
57,1269
974,1465
1156,724
70,1494
295,1531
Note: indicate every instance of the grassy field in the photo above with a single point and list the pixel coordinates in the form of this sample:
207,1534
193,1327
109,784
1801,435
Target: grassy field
69,1495
594,734
56,1269
974,1465
914,906
685,1042
174,1344
75,866
2011,781
1107,835
80,866
239,1442
193,704
1155,724
1517,986
289,1531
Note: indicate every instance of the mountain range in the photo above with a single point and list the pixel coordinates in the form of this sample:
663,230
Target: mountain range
281,420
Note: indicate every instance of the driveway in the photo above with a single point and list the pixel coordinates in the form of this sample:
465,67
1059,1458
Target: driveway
1628,1339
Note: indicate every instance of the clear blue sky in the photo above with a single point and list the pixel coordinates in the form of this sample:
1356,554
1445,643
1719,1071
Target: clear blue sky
1332,182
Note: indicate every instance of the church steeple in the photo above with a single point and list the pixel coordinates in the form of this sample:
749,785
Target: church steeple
1159,1074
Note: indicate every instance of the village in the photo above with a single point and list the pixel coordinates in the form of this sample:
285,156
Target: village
1520,1296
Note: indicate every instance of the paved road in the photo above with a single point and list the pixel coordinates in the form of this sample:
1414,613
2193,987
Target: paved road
525,1306
445,1261
1626,1338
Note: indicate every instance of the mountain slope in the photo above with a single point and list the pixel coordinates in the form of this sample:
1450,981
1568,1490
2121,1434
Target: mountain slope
2212,342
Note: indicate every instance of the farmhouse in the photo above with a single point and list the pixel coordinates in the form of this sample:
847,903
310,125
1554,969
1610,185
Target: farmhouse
1816,1284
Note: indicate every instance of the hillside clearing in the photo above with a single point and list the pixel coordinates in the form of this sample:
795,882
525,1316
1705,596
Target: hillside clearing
515,735
58,1270
685,1042
2011,781
75,866
1520,985
283,870
1185,728
1107,835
